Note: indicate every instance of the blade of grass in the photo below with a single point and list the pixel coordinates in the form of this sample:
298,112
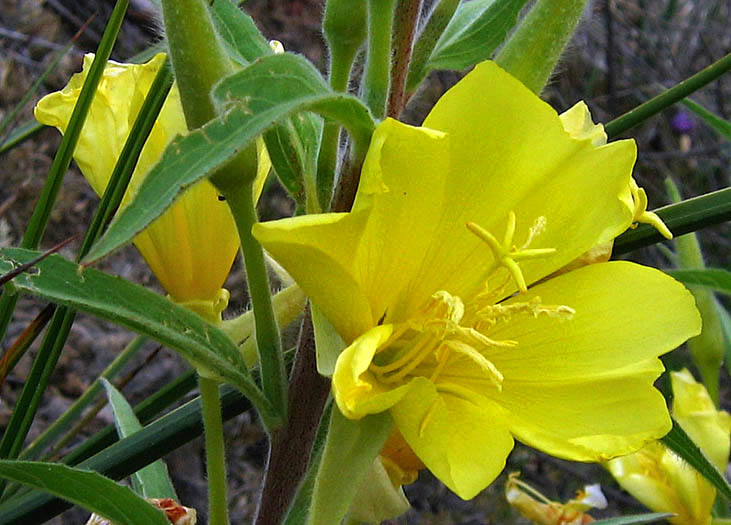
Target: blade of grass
128,455
56,335
683,217
42,211
20,135
676,93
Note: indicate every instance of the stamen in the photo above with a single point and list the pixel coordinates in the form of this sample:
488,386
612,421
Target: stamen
496,378
404,359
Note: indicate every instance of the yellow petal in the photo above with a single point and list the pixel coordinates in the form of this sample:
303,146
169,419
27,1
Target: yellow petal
578,123
695,412
625,314
461,443
510,152
356,391
362,268
582,388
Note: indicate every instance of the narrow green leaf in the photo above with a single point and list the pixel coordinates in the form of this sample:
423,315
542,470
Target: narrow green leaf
684,217
637,518
20,135
91,490
74,413
243,39
206,347
260,95
474,32
716,279
152,481
679,442
676,93
128,455
723,127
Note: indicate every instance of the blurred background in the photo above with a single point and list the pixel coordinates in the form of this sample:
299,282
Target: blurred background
625,52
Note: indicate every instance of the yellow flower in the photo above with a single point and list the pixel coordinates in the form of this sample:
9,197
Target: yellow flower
664,482
191,247
491,196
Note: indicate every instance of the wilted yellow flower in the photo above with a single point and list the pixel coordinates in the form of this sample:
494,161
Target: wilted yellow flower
191,247
491,196
542,511
663,481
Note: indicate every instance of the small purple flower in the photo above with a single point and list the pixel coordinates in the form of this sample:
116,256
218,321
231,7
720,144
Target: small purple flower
682,123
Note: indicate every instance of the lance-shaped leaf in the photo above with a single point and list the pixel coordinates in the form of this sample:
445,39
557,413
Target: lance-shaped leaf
153,480
716,279
243,40
207,348
475,31
256,98
91,490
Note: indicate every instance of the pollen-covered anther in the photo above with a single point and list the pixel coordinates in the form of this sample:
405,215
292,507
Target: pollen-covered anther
506,254
494,313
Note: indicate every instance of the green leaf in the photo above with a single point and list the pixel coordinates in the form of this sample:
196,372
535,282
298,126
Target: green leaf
475,31
723,127
152,481
675,94
20,135
716,279
91,490
243,40
260,95
206,347
679,442
637,518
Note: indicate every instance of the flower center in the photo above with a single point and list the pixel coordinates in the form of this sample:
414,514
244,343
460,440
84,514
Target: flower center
447,342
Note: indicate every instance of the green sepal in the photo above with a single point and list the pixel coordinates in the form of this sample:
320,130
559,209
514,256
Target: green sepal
91,490
532,51
153,480
350,449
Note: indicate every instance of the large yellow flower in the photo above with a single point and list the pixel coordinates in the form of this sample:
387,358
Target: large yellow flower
489,197
663,481
191,247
